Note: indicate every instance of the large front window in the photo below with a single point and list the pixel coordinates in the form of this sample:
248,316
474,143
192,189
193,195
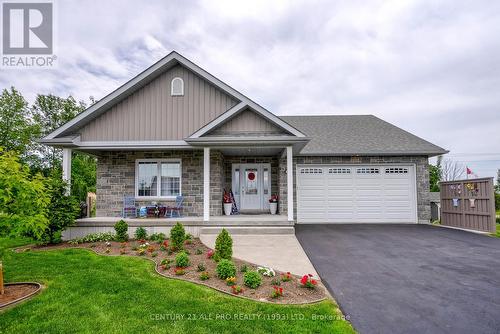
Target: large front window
158,178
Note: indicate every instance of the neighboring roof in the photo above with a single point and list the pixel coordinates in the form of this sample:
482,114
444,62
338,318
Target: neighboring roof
358,135
435,196
146,77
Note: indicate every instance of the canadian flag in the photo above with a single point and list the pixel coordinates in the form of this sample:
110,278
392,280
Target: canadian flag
469,171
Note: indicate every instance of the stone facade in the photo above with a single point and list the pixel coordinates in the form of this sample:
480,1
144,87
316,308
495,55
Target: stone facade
422,176
116,178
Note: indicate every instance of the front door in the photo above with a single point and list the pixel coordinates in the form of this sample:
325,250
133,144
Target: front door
251,187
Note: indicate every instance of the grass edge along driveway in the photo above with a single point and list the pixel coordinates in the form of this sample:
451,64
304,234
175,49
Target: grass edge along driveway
87,293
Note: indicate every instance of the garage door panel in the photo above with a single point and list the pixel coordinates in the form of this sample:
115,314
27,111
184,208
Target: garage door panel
357,194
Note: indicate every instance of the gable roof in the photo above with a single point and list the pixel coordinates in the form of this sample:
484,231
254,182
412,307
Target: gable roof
358,135
147,76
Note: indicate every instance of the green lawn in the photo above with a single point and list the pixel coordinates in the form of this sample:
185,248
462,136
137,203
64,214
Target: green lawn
91,293
497,234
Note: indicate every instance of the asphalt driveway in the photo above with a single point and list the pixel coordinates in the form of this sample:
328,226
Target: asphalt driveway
408,278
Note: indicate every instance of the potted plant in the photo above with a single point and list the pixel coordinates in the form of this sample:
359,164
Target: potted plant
228,203
273,204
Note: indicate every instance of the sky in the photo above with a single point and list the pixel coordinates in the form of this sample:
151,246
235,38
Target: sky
429,67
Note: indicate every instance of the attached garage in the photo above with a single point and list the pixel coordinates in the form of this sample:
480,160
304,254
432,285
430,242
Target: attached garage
356,194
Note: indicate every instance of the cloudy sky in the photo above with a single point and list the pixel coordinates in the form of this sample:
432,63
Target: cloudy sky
430,67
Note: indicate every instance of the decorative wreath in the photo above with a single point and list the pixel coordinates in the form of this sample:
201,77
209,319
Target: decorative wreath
251,176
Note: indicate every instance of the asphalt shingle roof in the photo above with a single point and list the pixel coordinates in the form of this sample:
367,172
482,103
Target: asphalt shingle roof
358,135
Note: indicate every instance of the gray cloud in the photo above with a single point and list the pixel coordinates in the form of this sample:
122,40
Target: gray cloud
430,67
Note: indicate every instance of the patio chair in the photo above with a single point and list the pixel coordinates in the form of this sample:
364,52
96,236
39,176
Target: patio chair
129,208
175,210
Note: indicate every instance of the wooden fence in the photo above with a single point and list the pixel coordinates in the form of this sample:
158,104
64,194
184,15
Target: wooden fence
468,204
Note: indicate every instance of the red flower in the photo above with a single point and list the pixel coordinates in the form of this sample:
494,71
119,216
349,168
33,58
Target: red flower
310,275
304,279
210,253
314,282
165,243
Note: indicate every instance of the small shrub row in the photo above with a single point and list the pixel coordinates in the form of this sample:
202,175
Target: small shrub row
94,237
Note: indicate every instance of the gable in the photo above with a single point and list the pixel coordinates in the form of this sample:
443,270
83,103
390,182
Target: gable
151,113
247,122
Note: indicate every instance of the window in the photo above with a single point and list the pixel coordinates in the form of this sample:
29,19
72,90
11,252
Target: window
367,170
339,170
396,170
158,178
311,171
177,87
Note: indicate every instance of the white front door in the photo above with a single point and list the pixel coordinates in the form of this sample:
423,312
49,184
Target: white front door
252,186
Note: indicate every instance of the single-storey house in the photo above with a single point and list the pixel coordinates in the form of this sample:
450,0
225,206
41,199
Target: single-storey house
175,129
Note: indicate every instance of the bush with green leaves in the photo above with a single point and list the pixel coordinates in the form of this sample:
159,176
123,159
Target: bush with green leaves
201,267
243,268
177,236
94,237
223,246
158,237
140,233
182,260
252,279
121,229
225,268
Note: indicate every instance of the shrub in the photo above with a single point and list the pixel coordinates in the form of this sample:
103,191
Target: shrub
121,229
223,246
158,237
243,268
201,267
225,269
182,260
140,233
198,251
166,261
252,279
154,254
95,237
177,236
204,276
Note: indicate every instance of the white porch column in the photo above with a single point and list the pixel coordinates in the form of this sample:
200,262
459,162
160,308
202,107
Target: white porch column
289,181
66,168
206,184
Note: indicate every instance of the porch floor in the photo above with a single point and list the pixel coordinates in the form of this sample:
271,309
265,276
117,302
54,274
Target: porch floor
233,220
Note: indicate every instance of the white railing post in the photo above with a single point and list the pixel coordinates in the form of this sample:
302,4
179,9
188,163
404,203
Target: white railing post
66,168
289,178
206,184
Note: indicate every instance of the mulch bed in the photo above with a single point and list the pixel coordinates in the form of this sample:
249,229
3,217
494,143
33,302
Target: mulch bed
293,292
18,291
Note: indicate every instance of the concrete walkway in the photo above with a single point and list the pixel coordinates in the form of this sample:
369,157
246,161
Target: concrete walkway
280,252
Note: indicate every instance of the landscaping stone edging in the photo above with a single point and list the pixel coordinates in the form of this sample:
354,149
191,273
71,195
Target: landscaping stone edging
24,298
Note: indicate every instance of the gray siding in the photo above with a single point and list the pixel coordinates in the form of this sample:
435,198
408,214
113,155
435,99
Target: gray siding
152,113
247,122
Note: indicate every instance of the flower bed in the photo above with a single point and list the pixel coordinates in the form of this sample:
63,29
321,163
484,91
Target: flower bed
201,269
16,292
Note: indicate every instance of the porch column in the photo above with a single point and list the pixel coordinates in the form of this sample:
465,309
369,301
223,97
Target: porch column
66,168
206,184
289,181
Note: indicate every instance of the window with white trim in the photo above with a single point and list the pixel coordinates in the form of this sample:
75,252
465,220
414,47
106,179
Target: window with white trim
311,171
339,170
177,87
396,170
367,171
158,178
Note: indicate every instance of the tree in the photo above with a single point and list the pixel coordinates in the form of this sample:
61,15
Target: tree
83,175
451,170
23,199
17,130
61,211
434,177
49,113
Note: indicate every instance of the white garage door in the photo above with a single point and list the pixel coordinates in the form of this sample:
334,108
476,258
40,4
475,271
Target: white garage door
356,194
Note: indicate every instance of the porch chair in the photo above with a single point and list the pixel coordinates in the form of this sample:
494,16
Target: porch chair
177,209
129,208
